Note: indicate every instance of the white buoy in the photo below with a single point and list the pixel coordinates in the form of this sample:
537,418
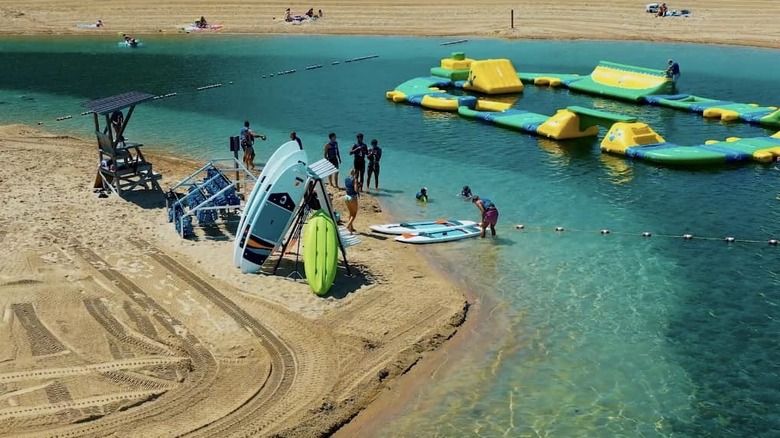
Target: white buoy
519,226
558,228
647,234
604,231
772,242
687,236
729,239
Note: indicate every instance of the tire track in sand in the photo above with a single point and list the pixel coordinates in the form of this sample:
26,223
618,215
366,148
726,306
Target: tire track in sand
42,341
251,417
164,404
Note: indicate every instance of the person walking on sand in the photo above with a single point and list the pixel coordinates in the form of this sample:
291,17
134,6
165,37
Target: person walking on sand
247,144
351,199
489,214
331,153
359,150
374,155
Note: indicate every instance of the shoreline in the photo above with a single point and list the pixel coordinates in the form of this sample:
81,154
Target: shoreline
370,331
622,20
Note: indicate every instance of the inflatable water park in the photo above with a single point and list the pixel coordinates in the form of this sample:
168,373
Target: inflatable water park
463,85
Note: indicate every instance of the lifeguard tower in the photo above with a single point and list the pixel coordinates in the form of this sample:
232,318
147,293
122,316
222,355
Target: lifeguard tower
122,165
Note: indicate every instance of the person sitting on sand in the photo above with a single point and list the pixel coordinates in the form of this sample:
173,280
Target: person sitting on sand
310,12
662,10
319,13
422,195
287,15
489,214
202,24
99,23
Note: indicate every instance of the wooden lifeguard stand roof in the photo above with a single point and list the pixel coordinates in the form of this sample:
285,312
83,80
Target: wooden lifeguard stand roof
110,104
122,165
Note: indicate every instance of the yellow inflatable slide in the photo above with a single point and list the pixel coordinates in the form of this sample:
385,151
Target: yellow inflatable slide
493,76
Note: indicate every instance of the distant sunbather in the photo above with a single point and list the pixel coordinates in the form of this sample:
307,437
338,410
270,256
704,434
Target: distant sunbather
202,24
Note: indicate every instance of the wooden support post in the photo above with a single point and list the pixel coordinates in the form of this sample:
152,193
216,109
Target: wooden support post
238,175
512,18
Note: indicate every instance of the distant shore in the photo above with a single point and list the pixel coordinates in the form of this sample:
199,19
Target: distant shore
741,22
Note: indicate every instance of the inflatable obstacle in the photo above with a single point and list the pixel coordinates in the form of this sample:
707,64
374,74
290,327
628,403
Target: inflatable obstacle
724,110
624,82
638,140
487,76
644,85
428,92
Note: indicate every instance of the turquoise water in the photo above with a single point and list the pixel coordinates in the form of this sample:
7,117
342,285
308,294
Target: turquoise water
588,335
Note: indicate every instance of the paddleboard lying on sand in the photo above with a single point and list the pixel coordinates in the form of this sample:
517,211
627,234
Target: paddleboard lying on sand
440,235
320,252
281,156
273,216
416,227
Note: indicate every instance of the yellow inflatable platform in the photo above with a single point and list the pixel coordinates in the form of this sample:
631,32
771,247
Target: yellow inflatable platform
493,76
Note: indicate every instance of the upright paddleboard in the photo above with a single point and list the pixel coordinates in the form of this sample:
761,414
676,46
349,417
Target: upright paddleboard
440,235
320,252
273,216
271,166
420,226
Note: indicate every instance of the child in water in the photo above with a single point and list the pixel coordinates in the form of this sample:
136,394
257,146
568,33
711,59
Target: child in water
422,195
466,192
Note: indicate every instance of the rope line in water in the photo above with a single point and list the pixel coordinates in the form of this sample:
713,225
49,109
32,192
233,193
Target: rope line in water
217,85
645,234
449,43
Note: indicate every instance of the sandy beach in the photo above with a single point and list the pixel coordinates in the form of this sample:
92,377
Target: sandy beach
114,325
742,22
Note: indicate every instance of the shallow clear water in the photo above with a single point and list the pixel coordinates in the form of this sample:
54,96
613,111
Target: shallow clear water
591,335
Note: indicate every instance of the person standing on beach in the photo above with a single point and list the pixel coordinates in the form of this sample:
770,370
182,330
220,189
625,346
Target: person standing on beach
374,155
331,153
489,214
294,137
247,144
359,150
351,198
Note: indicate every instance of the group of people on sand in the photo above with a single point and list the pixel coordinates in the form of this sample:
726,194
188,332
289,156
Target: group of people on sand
309,15
365,164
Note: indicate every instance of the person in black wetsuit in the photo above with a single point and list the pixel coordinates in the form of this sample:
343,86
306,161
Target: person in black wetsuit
374,155
331,153
359,151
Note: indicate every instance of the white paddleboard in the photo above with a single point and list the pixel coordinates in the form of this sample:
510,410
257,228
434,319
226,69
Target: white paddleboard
420,226
271,166
441,235
274,216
